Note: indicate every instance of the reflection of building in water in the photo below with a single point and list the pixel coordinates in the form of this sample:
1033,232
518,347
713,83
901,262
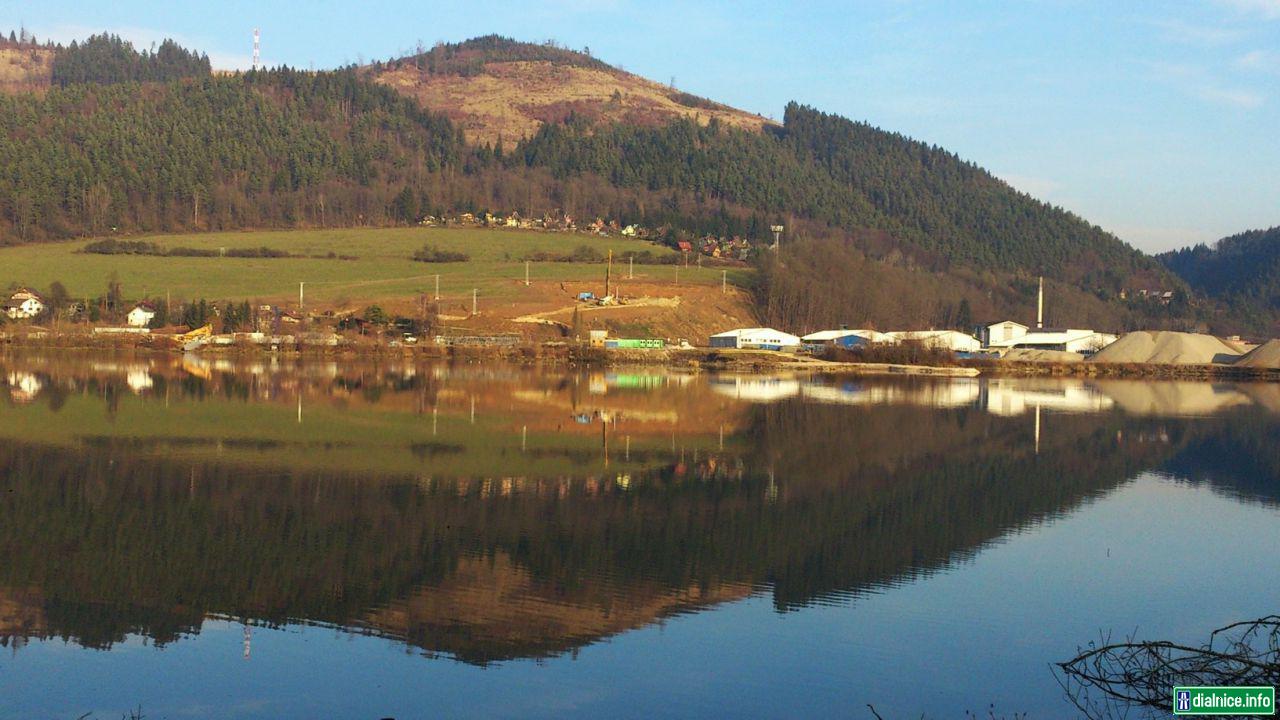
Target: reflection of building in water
24,386
756,389
1015,397
959,393
139,380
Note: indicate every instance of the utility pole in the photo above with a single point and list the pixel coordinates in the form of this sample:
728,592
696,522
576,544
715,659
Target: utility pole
608,273
474,296
301,296
631,267
437,287
526,273
677,273
724,281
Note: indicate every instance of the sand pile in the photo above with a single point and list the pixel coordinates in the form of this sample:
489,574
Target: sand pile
1041,356
1167,348
1266,355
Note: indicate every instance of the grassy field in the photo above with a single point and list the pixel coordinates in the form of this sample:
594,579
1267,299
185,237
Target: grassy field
384,269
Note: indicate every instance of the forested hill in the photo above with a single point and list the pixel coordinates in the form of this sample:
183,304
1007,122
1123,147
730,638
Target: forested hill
1242,270
141,142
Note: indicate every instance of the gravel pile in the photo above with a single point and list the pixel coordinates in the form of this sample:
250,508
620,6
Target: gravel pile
1167,348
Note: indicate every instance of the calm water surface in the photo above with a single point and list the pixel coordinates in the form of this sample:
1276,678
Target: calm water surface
219,539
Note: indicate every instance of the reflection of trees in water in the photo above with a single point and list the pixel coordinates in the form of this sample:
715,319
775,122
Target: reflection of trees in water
111,539
1235,455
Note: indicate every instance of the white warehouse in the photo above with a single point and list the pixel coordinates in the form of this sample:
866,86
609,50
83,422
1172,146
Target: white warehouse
755,339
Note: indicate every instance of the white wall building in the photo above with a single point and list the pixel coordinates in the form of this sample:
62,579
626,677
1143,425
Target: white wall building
952,340
140,316
1003,332
833,337
755,338
23,304
1070,339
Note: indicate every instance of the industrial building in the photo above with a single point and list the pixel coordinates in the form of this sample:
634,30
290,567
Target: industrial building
952,340
1007,335
754,339
844,338
1076,340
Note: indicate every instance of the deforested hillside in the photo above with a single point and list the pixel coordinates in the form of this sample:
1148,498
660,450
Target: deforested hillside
498,89
25,66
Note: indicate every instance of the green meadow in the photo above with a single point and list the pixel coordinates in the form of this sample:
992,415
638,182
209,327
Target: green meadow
383,267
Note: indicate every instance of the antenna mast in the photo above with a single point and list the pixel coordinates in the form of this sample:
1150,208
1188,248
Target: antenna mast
257,58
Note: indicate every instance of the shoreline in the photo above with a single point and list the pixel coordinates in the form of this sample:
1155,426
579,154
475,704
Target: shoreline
694,359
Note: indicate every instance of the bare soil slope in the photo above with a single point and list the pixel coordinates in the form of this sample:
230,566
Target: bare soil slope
512,99
25,68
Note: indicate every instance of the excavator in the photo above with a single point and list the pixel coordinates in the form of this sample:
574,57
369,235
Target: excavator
195,338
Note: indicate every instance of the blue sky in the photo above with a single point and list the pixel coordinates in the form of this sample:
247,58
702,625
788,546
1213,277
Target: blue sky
1159,121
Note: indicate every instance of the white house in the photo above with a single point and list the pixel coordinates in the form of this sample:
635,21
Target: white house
23,304
952,340
1070,339
141,315
755,338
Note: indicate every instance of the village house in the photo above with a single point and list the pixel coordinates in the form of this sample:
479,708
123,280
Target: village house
141,315
23,305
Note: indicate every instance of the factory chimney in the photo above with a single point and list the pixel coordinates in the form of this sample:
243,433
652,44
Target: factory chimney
1040,306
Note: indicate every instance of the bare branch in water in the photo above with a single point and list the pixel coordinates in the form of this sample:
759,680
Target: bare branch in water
1111,679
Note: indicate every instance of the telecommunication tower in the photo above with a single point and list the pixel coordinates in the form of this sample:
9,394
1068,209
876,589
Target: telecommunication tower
256,54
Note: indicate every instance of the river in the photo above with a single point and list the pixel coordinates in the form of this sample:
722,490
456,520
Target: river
211,538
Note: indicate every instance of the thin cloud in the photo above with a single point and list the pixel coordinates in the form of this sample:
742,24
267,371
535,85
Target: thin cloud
1267,61
1198,82
1185,33
1267,9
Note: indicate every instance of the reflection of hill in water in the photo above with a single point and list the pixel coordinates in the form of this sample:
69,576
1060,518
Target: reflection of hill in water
103,540
1237,457
470,511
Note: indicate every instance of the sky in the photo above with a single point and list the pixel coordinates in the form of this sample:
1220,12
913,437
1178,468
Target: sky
1158,121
